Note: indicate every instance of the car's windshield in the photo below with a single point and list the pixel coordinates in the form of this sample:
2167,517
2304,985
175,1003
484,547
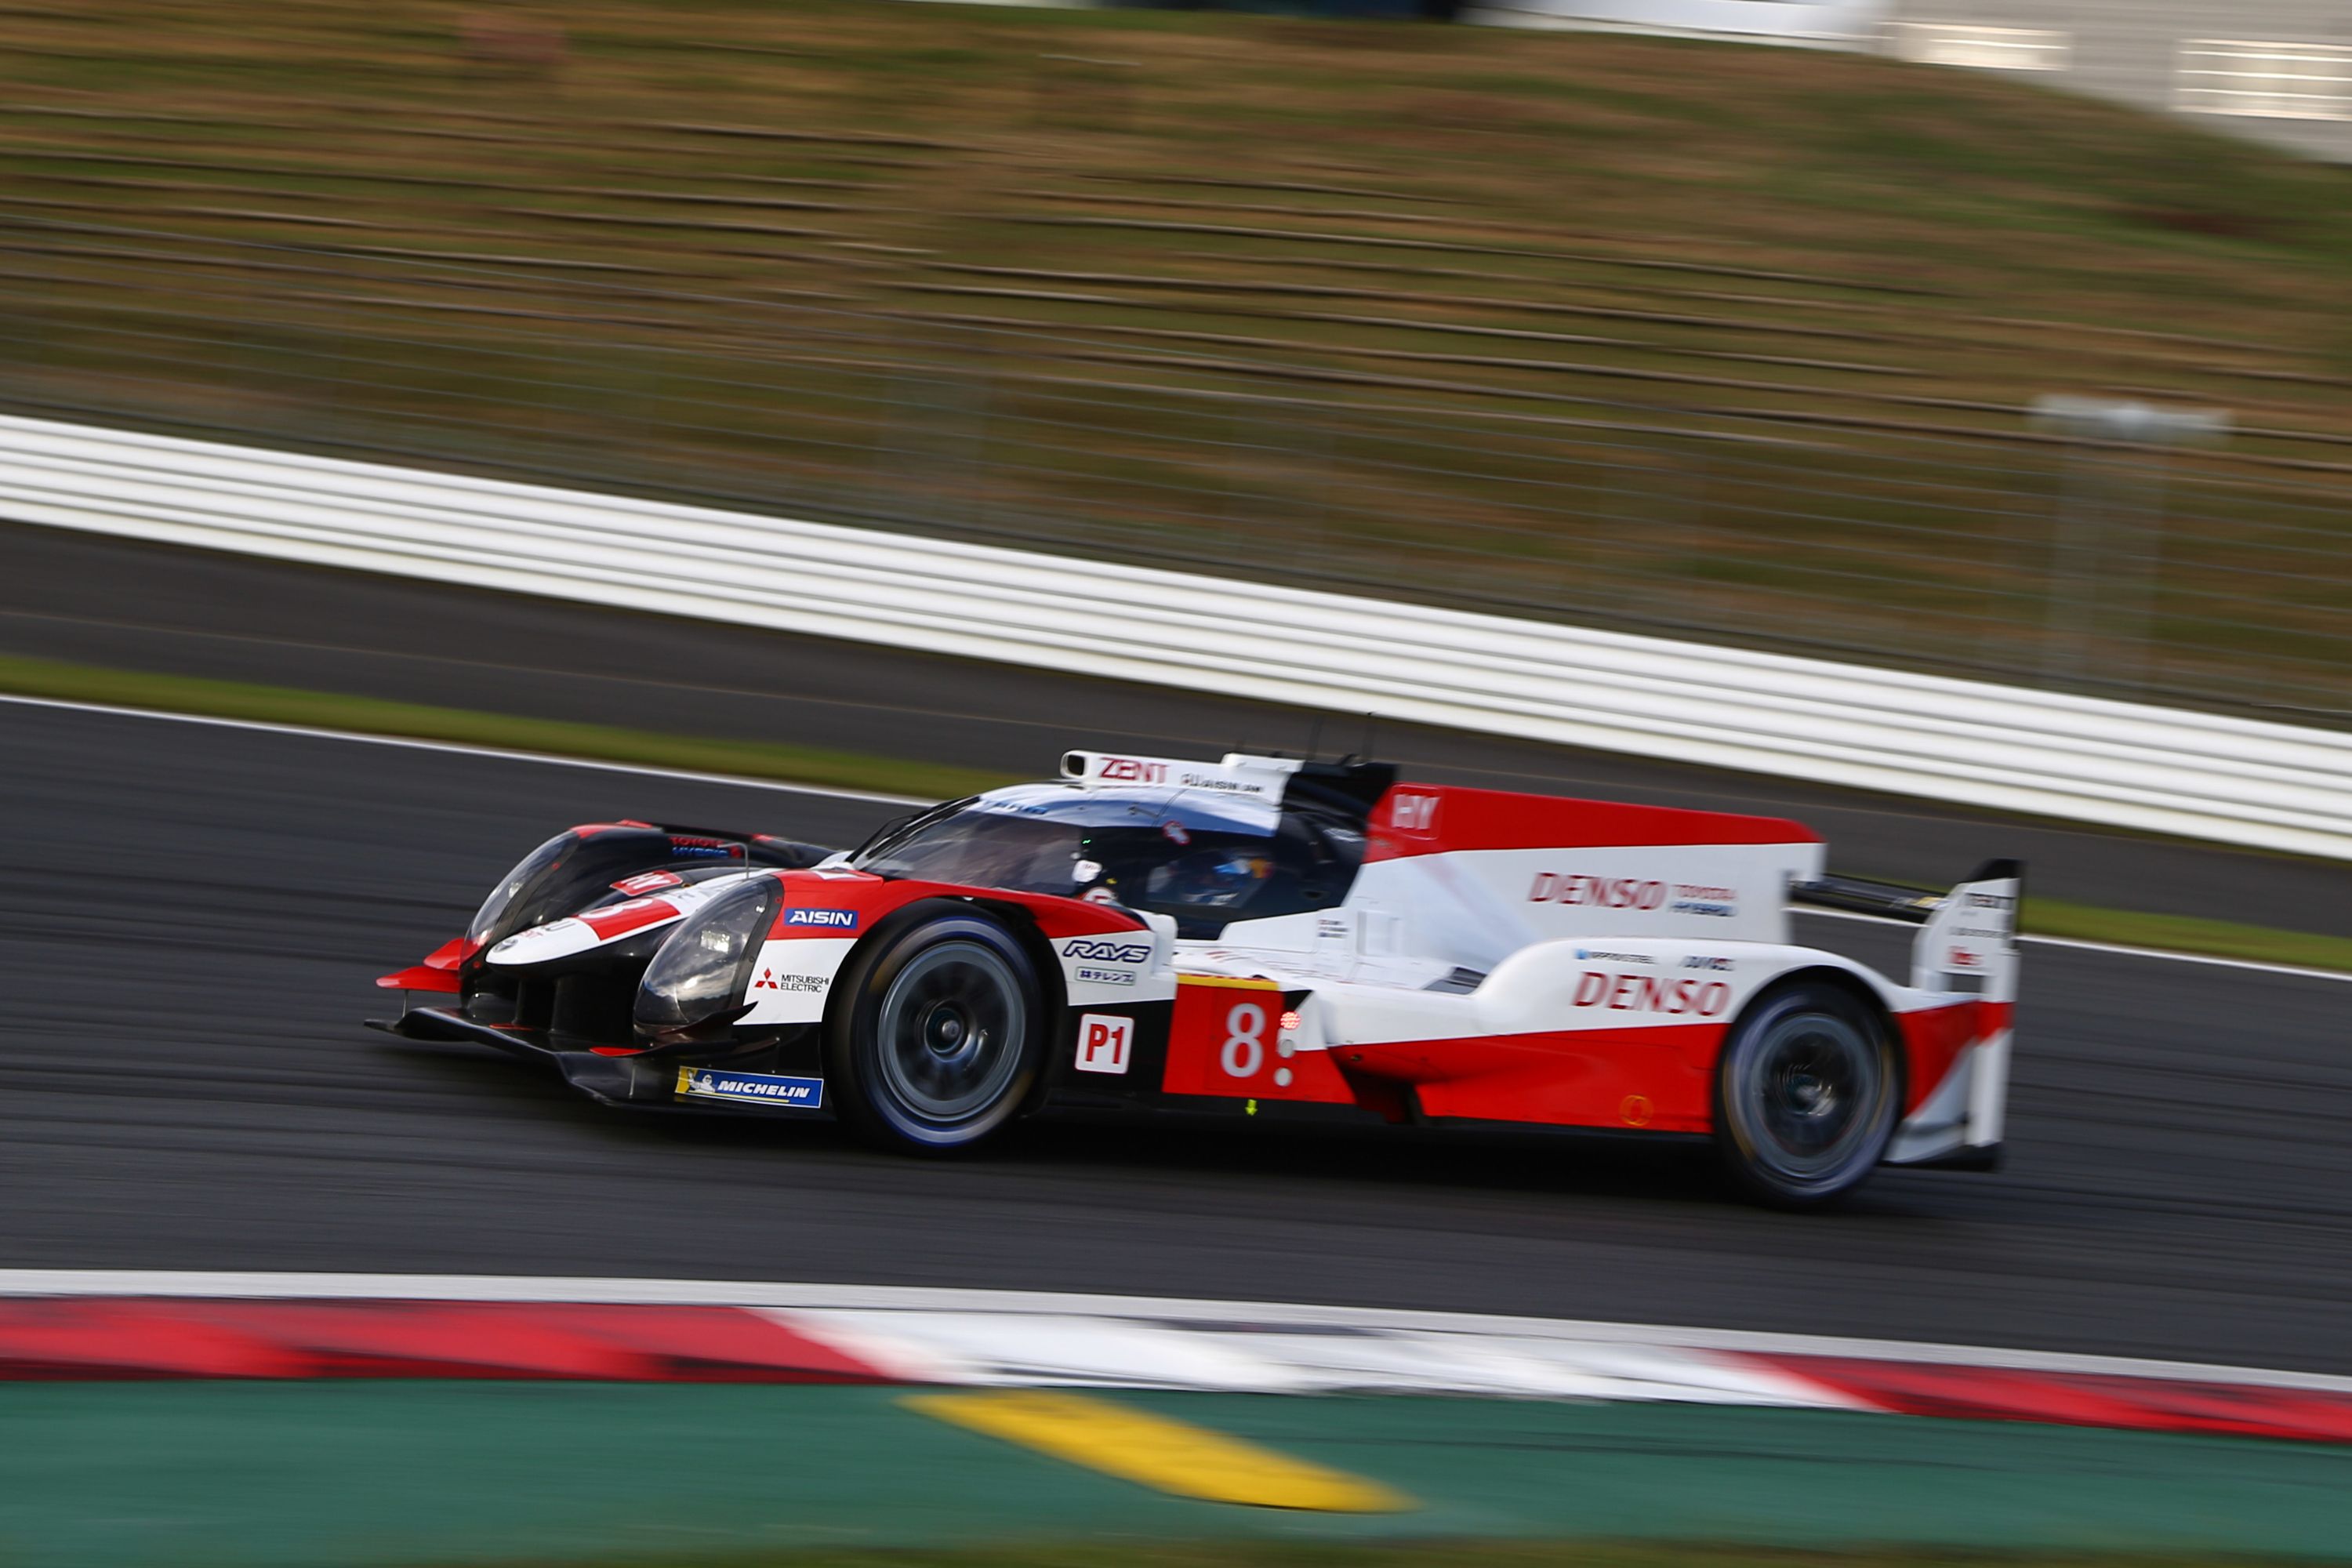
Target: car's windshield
1202,859
1024,855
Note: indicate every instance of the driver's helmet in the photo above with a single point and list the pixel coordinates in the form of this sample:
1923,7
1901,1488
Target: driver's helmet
1210,877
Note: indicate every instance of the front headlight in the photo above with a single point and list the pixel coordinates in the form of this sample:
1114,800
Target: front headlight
695,978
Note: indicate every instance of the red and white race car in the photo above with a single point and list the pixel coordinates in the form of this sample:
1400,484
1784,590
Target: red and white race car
1262,936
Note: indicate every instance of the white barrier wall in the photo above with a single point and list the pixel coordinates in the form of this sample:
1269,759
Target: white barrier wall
1831,22
2127,765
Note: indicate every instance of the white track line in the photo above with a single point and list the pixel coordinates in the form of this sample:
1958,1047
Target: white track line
1172,1312
460,749
2162,954
454,748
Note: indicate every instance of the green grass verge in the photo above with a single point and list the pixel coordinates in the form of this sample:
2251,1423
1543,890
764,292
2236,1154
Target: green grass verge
2185,934
415,721
892,775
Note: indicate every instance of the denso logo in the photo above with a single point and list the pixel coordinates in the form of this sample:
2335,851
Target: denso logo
1602,892
1651,994
835,919
1129,769
1106,952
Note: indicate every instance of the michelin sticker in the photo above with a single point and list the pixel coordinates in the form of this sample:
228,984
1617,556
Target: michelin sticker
751,1087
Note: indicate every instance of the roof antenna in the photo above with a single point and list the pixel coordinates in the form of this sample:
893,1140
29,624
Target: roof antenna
1315,738
1372,728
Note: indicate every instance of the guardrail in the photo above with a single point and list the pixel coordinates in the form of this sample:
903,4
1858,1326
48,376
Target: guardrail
1836,23
2165,770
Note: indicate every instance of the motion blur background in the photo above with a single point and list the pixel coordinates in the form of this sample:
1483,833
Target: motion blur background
1648,333
1974,338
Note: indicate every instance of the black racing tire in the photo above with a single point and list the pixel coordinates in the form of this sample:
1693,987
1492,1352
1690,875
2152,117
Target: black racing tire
938,1033
1808,1091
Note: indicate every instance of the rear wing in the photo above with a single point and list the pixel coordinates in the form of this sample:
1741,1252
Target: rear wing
1969,936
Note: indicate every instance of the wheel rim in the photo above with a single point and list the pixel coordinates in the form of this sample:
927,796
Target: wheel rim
950,1031
1813,1090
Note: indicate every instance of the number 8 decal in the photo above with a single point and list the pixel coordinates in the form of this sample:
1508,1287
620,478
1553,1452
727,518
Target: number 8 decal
1244,1052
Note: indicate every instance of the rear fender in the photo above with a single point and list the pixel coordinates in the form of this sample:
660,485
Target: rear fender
1619,983
1690,996
1872,993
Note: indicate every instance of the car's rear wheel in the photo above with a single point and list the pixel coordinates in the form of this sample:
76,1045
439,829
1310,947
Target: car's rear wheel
942,1034
1807,1095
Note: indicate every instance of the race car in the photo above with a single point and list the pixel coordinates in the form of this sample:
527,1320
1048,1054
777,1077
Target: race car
1259,936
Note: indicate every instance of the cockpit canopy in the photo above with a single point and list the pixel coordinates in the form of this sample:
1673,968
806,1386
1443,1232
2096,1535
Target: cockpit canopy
1202,859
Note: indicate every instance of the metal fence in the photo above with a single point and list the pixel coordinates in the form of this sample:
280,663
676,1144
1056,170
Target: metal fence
1992,548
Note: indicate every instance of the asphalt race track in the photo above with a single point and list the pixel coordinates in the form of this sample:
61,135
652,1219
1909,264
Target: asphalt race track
192,914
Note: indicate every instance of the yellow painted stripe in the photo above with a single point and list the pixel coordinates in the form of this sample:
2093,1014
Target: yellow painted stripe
1237,982
1165,1455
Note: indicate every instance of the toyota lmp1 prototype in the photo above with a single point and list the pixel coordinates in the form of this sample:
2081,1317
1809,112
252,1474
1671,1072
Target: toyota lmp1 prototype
1261,936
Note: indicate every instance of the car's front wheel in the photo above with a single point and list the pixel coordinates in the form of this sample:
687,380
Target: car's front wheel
943,1031
1807,1095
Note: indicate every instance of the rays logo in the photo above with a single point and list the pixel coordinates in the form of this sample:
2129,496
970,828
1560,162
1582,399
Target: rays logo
1106,952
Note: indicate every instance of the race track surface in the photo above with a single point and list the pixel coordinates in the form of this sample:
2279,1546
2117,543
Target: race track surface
192,914
95,600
